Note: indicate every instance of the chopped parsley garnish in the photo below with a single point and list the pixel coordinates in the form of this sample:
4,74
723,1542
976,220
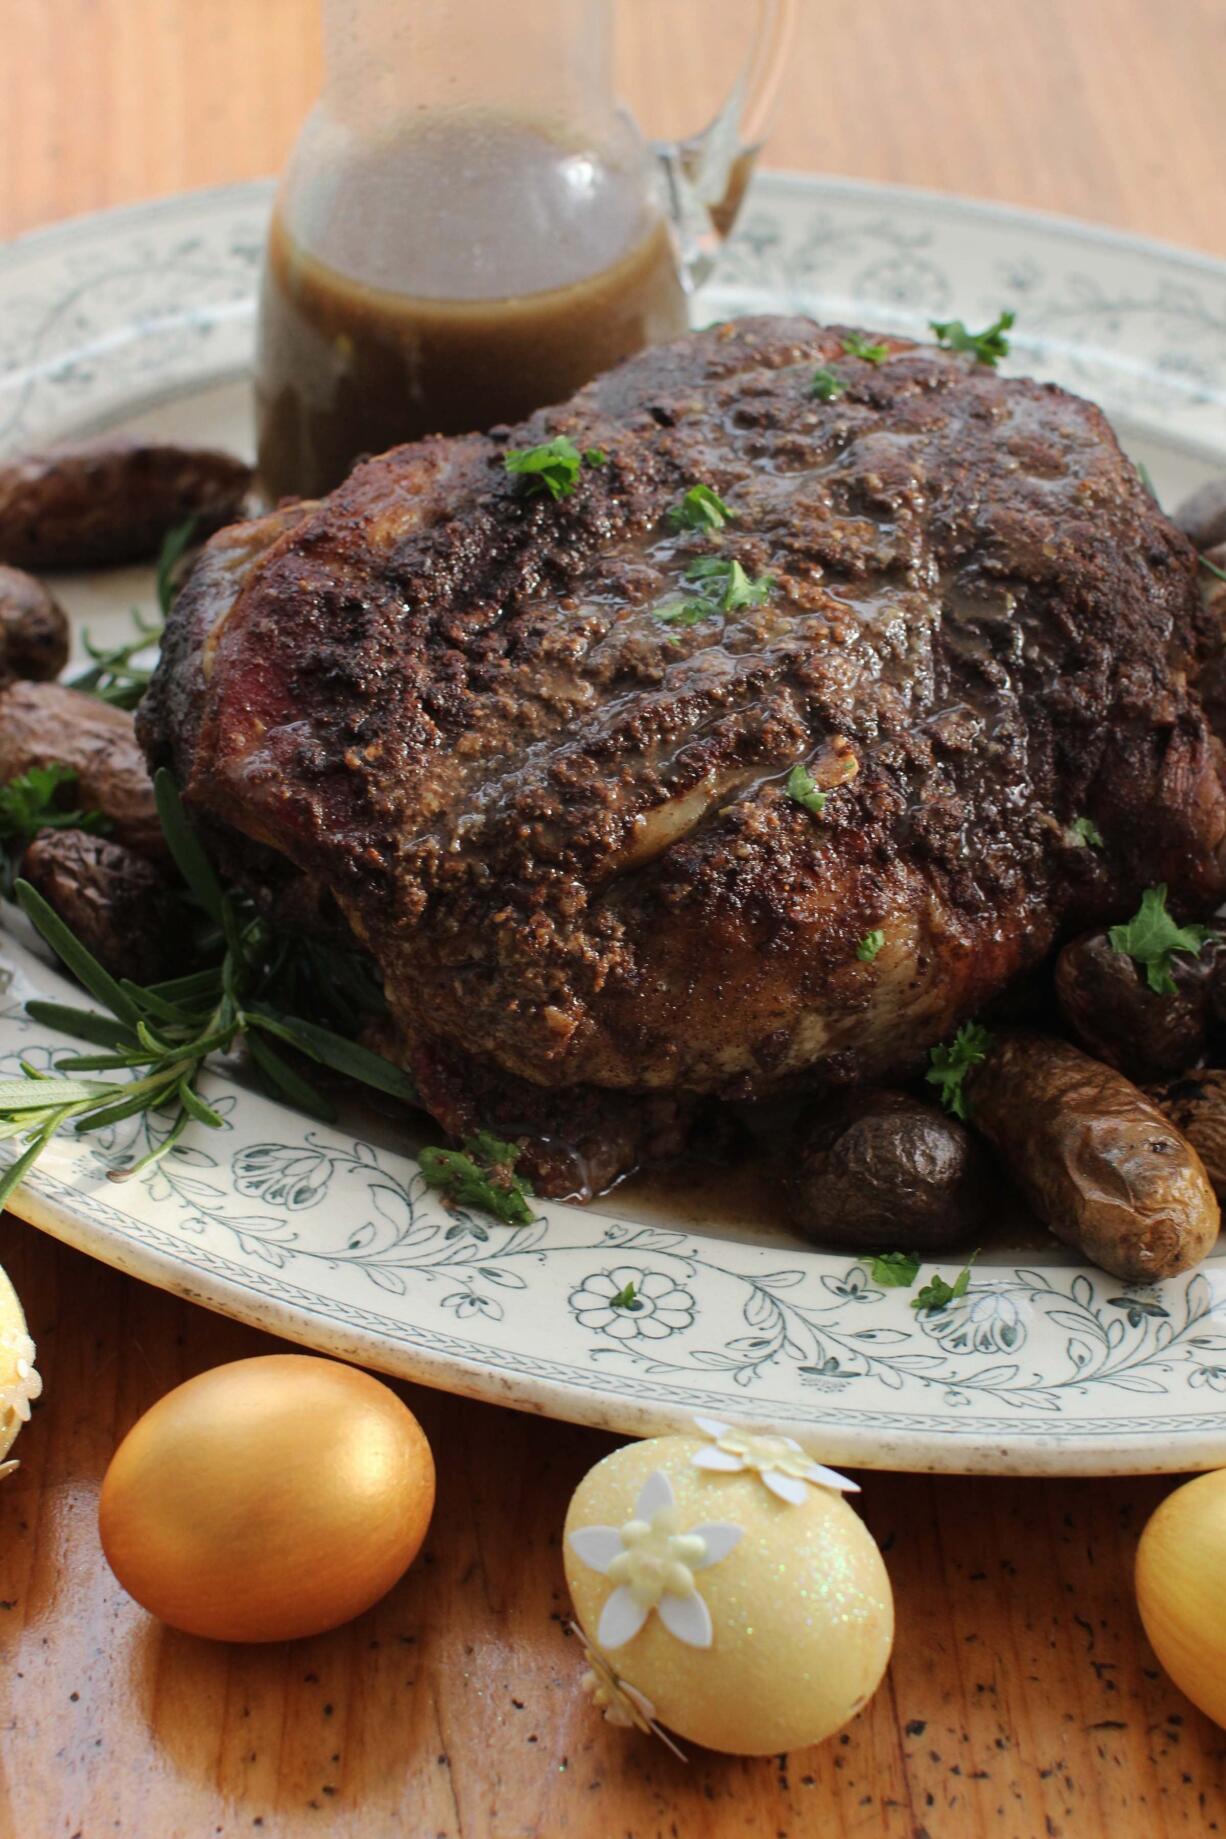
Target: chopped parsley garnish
826,386
1151,938
802,788
700,509
682,613
722,587
482,1174
553,467
727,584
855,345
894,1270
987,347
937,1294
32,802
1219,574
1087,831
870,945
626,1298
953,1060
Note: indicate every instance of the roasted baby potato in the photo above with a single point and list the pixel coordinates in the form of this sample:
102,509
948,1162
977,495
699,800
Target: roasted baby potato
1202,516
112,500
118,904
44,724
880,1170
1097,1160
33,628
1109,1006
1196,1105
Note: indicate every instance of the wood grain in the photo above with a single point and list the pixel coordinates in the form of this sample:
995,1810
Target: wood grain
1022,1699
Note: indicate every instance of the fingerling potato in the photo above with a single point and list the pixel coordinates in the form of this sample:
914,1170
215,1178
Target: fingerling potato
1116,1017
1196,1105
112,500
1096,1159
880,1170
118,904
34,627
47,724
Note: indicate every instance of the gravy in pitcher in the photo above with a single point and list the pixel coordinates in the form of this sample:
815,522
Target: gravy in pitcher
407,319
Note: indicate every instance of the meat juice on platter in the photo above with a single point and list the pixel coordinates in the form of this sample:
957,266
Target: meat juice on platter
367,341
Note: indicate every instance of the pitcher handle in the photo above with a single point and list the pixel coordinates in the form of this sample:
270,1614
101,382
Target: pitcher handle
705,176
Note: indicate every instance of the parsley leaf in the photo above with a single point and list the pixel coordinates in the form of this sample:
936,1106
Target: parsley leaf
870,945
951,1062
700,509
627,1298
480,1175
937,1294
855,345
988,346
1218,573
894,1270
1087,831
802,788
826,386
1151,938
31,802
682,613
553,467
722,587
728,586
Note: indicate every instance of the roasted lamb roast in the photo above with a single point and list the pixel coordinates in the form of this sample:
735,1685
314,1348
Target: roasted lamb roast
545,767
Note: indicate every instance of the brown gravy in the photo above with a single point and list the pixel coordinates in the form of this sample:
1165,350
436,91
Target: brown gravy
385,333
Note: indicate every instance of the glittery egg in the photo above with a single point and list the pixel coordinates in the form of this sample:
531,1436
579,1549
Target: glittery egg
19,1383
725,1594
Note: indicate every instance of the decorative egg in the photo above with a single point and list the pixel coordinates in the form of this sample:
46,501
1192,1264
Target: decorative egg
267,1499
725,1589
1181,1561
19,1383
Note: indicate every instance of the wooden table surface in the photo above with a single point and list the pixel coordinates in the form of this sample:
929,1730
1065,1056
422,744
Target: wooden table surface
1023,1699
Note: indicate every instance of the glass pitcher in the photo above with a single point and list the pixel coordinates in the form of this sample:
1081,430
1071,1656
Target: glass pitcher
470,226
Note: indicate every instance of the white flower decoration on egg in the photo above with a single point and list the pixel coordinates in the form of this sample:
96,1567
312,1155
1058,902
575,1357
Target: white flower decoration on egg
787,1470
652,1562
621,1703
25,1386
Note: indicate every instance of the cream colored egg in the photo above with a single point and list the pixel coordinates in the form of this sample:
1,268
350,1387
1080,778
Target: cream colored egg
267,1499
1181,1562
19,1382
800,1608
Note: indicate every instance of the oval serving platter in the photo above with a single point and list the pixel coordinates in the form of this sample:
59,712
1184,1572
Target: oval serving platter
144,317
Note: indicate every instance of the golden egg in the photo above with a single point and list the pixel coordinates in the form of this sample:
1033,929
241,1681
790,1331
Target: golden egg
1181,1561
801,1615
267,1499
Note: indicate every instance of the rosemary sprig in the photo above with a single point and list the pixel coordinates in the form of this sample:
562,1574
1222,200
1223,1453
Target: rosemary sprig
164,1034
114,675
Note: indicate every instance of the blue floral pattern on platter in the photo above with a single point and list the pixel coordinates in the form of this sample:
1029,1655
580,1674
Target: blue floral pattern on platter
330,1236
